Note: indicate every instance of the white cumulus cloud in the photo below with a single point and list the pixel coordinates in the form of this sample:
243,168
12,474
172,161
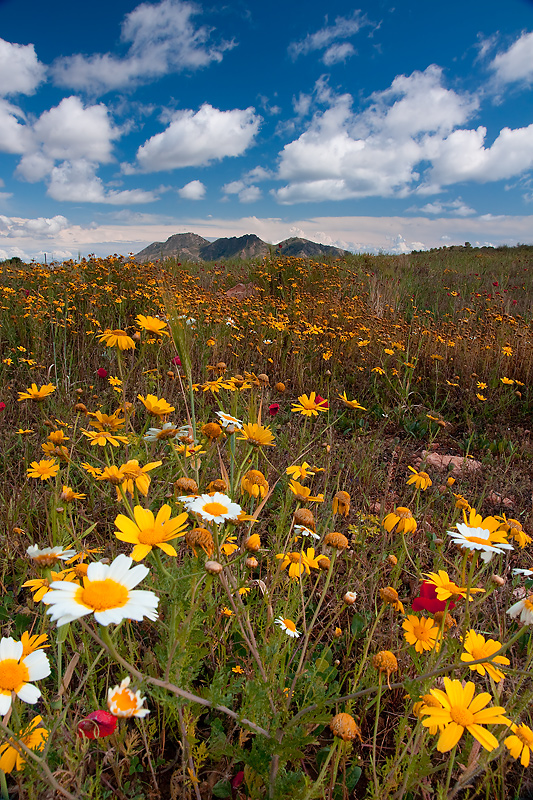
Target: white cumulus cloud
516,63
15,135
21,72
42,227
162,38
411,138
194,190
76,181
72,130
194,139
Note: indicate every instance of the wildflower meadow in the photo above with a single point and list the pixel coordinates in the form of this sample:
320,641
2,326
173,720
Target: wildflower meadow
272,543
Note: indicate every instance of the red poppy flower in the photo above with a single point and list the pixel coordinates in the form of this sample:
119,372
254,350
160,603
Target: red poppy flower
273,409
177,360
97,724
321,401
102,373
2,405
427,600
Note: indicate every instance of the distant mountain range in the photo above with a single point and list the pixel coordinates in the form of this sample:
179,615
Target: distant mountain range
191,247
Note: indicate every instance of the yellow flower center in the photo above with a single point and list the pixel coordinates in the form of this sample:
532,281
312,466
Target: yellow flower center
215,509
478,539
101,595
525,735
125,701
462,716
528,603
294,558
13,674
289,624
422,633
46,560
151,535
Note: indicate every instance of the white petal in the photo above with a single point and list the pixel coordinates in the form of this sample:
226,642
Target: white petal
37,664
5,704
29,693
9,648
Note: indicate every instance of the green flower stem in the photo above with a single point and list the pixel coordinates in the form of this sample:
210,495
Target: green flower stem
317,784
3,785
311,626
375,737
449,773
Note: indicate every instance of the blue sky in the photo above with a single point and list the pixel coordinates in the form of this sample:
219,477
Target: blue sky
373,127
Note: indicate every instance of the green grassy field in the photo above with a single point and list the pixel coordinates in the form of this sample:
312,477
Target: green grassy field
325,486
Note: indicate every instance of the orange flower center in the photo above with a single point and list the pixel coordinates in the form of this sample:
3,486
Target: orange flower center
101,595
152,535
422,633
13,675
528,603
215,509
125,701
289,624
462,716
525,735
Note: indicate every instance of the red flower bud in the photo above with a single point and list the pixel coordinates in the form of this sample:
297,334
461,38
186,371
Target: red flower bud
97,724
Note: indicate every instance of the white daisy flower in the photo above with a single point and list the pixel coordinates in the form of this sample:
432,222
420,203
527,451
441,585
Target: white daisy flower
227,419
478,539
216,507
48,556
106,592
523,609
168,431
302,530
17,672
122,702
288,626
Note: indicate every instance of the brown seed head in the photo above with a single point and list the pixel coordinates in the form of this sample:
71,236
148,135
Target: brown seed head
345,727
336,540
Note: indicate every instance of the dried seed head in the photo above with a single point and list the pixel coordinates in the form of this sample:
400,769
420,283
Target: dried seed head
345,727
252,562
302,516
218,485
186,486
336,540
350,598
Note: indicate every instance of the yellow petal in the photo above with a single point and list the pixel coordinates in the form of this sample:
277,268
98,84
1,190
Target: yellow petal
449,737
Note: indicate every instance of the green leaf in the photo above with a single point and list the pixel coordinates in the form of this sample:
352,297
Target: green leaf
222,789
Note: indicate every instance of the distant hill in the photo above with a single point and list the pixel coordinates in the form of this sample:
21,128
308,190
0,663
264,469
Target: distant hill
191,247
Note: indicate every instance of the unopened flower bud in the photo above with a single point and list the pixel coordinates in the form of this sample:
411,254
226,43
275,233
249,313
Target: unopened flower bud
350,598
498,580
252,562
392,559
213,567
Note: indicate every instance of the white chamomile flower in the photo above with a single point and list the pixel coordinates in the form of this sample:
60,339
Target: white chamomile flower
123,702
106,593
288,626
227,419
479,539
48,556
17,671
523,609
302,530
216,507
168,431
